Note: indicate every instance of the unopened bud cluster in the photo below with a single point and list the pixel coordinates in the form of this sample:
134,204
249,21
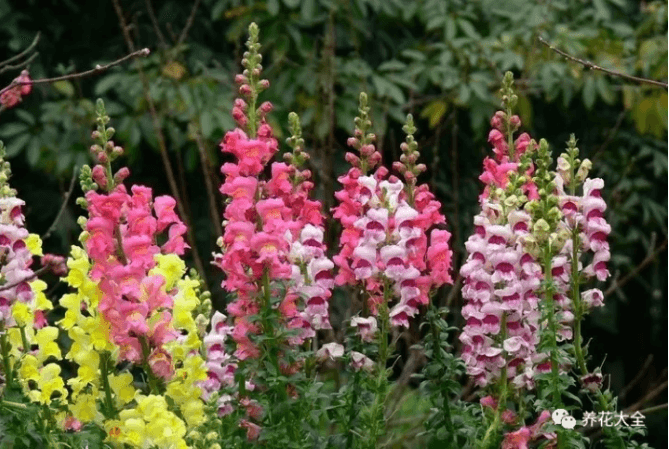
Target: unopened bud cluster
363,141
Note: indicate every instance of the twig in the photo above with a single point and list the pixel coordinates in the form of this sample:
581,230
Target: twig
189,23
609,137
636,378
649,258
652,394
592,66
98,69
154,22
20,65
208,176
162,146
26,279
48,232
655,408
20,55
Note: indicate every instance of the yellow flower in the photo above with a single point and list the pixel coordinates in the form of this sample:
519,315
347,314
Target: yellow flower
171,267
49,382
122,386
47,346
85,407
28,370
34,244
78,265
41,302
22,314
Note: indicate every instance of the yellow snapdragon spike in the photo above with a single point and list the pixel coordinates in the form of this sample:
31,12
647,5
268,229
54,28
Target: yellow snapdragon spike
34,244
29,368
48,382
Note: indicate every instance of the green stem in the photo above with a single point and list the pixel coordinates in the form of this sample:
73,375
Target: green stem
552,326
4,350
24,340
436,350
504,391
352,411
382,377
109,408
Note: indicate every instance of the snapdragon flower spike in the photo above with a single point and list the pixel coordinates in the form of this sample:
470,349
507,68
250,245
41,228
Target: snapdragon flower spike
384,241
15,255
501,278
123,229
272,228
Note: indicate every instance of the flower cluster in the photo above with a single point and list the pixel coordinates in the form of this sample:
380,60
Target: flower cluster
501,278
272,229
384,242
14,94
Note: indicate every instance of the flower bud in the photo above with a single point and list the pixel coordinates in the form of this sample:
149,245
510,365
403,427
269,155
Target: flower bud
541,229
121,175
245,89
352,142
399,167
583,170
264,84
266,107
100,176
240,79
514,121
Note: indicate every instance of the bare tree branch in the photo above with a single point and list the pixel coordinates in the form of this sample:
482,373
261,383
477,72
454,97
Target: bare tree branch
98,69
189,23
48,232
592,66
21,55
632,274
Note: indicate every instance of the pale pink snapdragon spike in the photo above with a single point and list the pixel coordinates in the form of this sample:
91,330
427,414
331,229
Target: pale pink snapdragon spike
501,282
386,223
17,258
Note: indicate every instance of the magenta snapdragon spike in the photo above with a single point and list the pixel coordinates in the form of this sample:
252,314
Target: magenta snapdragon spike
385,250
273,230
501,278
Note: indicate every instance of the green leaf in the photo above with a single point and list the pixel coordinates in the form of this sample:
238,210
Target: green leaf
273,7
468,29
307,9
64,87
434,112
17,145
25,116
12,129
291,3
589,92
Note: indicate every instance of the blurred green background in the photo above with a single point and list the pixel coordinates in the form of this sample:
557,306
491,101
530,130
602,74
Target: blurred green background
440,60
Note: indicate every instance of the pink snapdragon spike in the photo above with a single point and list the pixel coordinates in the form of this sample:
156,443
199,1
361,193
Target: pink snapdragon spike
389,246
501,281
521,438
123,230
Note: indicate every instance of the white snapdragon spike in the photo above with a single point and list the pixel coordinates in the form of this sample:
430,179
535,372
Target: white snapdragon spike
501,280
367,194
221,366
392,192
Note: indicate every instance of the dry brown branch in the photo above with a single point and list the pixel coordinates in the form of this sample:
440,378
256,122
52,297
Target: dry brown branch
189,23
632,274
591,66
4,64
97,70
48,232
